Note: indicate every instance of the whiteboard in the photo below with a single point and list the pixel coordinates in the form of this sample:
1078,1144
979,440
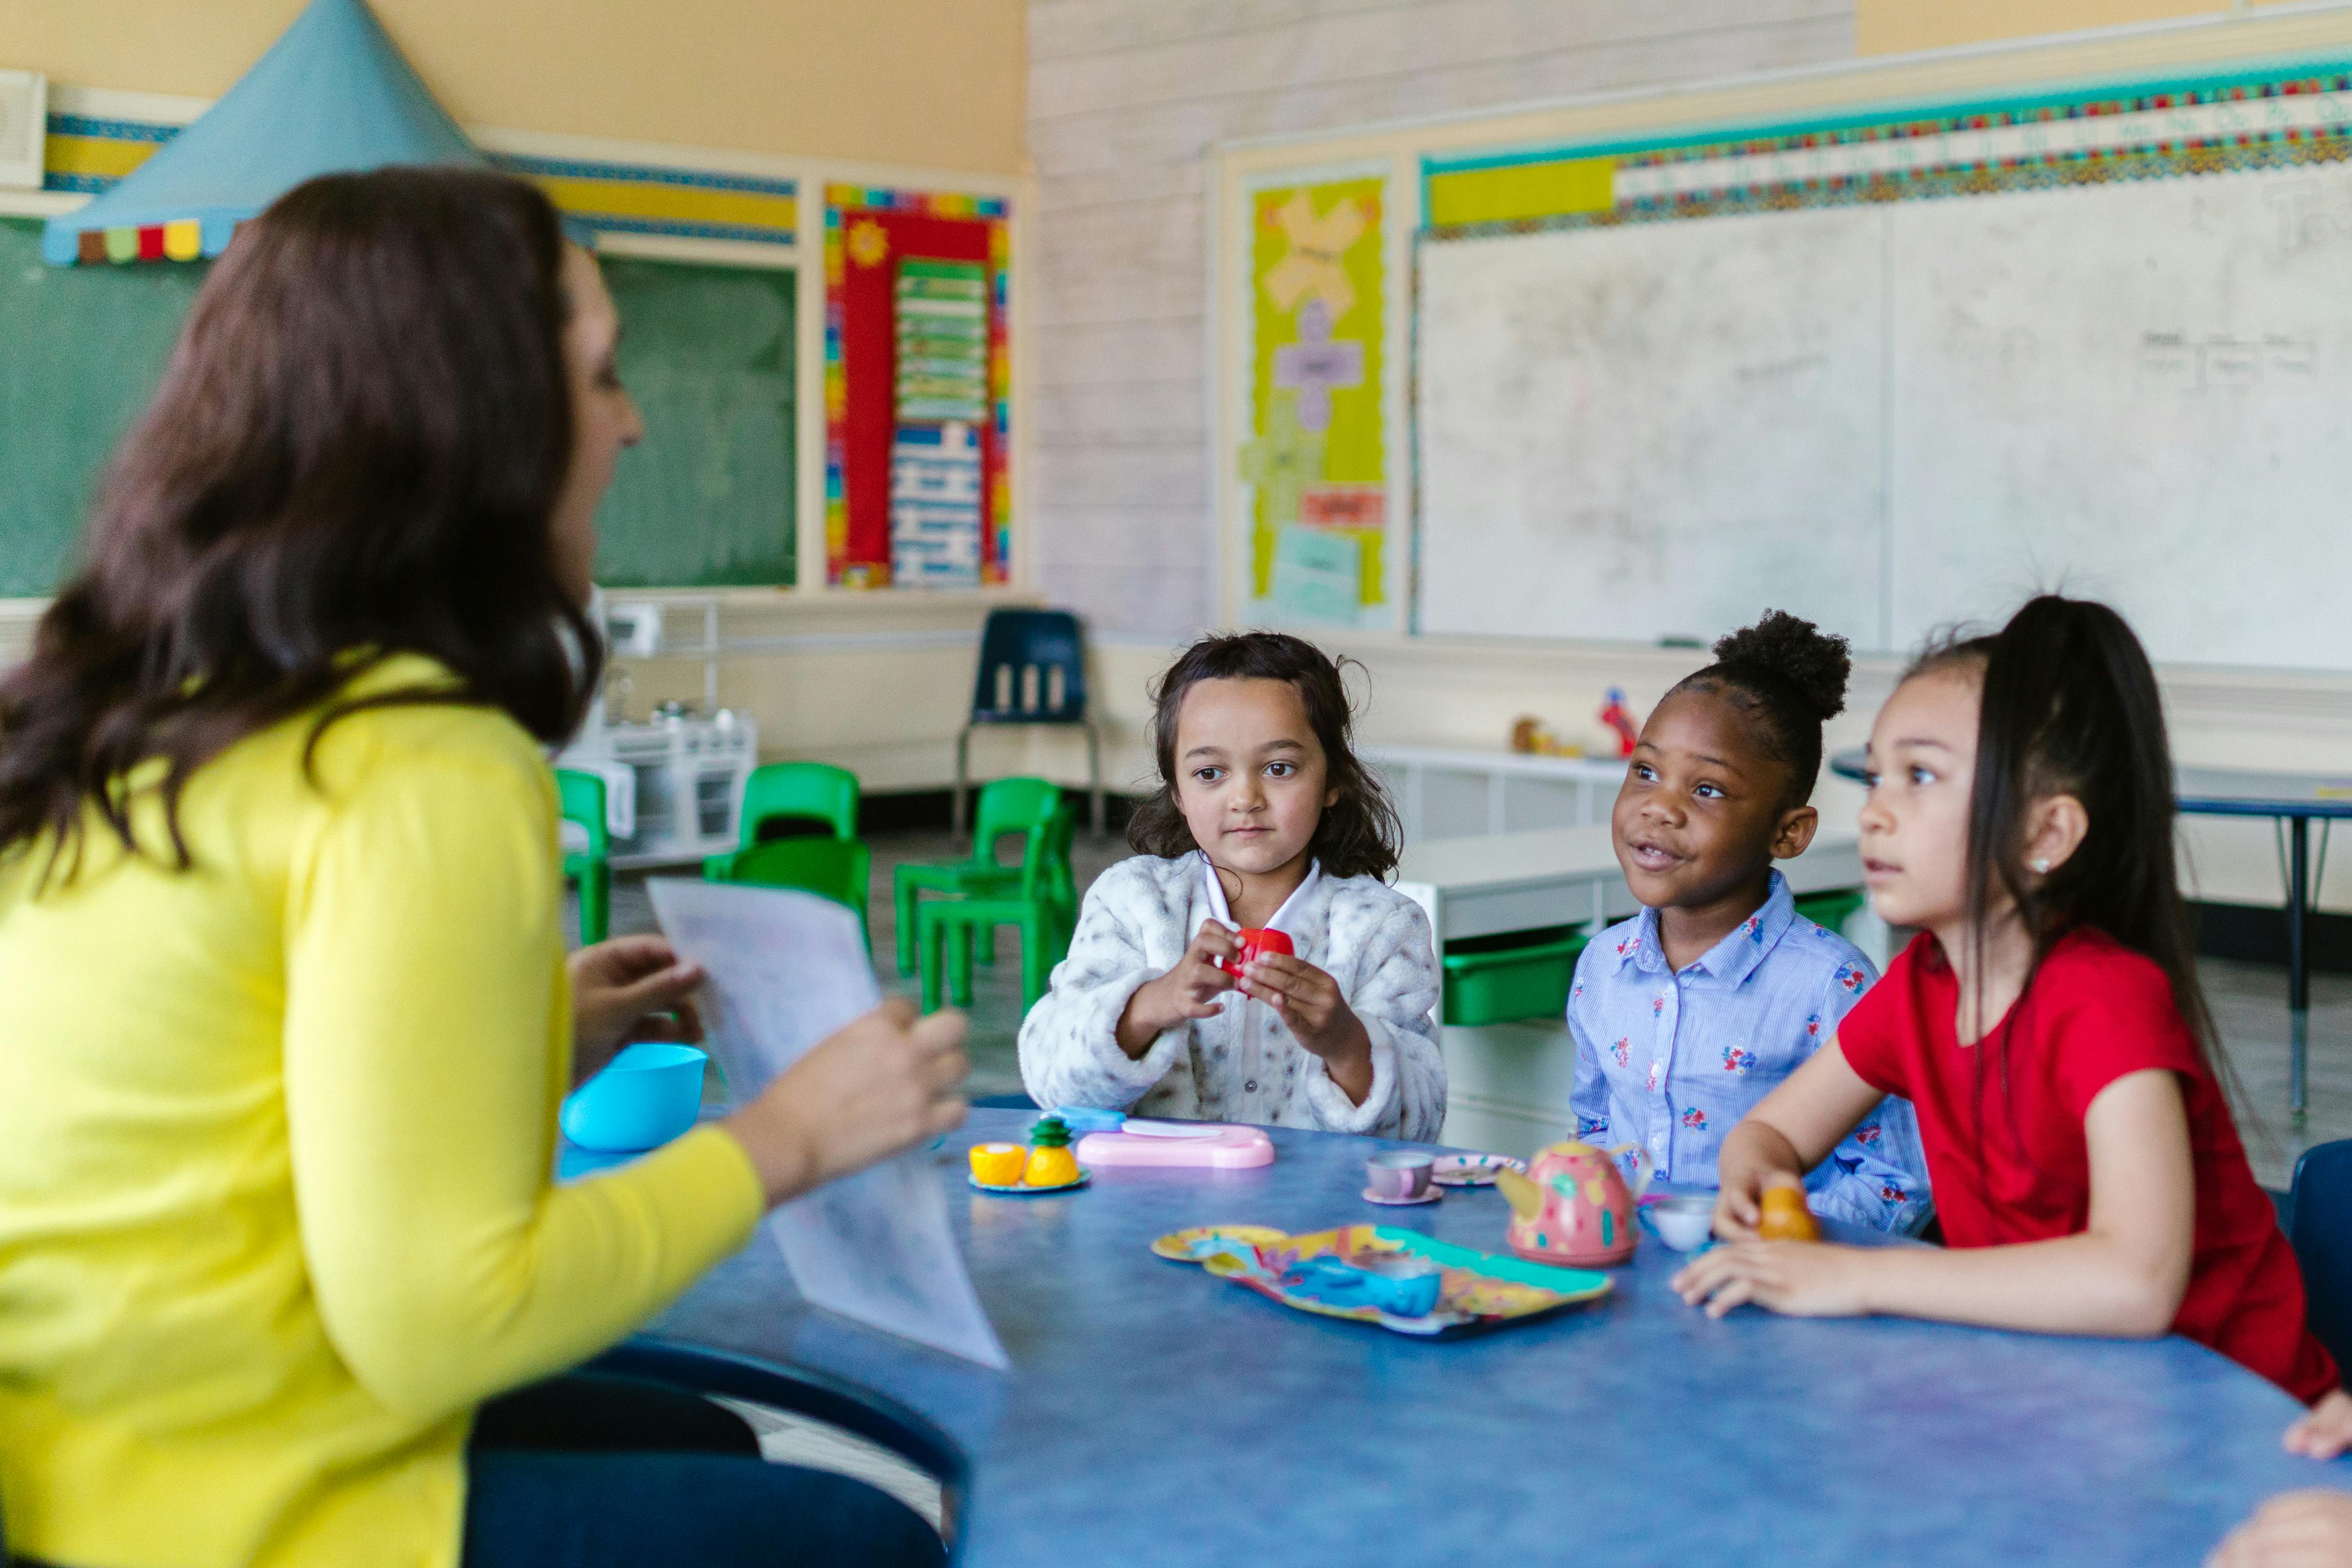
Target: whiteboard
1620,431
2139,391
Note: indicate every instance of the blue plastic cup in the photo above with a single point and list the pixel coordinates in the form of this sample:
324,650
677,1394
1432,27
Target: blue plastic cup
646,1095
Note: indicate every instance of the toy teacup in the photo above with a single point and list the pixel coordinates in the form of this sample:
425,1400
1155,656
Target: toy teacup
1572,1206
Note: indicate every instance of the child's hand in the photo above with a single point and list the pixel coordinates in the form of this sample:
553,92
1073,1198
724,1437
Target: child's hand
1801,1279
1187,991
2295,1529
1309,1002
2325,1430
1739,1202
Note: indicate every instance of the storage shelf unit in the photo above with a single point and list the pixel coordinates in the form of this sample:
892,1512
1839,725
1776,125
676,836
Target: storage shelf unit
1444,793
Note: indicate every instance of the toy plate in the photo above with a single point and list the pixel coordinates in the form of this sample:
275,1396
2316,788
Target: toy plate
1194,1245
1431,1195
1473,1170
1480,1291
1023,1189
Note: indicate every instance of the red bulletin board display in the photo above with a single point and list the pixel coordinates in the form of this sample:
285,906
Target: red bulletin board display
868,232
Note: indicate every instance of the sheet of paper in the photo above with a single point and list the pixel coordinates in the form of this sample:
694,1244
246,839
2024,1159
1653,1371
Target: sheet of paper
787,970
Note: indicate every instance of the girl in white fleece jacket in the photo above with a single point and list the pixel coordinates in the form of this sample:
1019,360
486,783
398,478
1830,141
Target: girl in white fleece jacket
1263,819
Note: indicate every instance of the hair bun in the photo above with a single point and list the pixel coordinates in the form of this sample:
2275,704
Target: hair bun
1794,653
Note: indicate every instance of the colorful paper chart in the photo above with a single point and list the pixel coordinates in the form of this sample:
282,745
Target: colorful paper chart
1315,457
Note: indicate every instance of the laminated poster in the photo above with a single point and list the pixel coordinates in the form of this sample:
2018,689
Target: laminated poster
787,970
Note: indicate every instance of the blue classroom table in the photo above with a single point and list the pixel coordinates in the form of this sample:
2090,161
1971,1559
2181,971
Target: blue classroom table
1156,1414
2295,799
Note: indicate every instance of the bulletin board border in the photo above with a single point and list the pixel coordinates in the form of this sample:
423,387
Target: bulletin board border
2264,115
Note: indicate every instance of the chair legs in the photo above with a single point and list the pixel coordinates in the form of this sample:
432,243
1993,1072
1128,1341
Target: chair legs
958,958
1094,779
962,780
934,935
905,894
595,902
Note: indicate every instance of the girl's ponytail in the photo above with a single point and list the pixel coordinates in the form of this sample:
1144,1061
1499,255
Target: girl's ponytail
2070,706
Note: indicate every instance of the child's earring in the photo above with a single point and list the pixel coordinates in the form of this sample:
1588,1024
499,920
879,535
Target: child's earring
2038,867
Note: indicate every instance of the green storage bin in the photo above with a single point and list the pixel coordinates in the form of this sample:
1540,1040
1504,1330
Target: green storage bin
1510,974
1832,909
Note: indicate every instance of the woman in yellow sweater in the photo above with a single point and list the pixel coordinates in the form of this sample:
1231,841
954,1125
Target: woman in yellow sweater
287,1017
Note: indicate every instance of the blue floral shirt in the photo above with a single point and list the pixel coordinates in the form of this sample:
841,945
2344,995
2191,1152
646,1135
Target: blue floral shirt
1671,1060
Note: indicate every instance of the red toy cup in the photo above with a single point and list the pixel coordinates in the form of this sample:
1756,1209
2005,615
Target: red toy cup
1256,942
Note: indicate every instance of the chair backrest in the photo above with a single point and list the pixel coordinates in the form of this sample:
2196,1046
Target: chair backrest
1012,806
832,868
817,790
1033,669
582,797
1045,869
2321,1229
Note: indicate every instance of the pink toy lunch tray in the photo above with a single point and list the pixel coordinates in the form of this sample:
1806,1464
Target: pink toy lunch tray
1213,1145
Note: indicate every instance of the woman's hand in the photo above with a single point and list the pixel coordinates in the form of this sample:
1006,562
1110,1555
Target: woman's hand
1309,1001
2325,1430
1187,991
2297,1530
884,1083
1801,1279
626,990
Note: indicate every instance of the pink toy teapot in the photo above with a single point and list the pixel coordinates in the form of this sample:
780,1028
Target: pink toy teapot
1572,1206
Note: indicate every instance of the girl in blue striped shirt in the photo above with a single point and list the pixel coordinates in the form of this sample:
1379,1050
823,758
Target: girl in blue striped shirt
1687,1015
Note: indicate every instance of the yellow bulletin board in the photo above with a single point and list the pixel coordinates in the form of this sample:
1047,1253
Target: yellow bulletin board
1315,459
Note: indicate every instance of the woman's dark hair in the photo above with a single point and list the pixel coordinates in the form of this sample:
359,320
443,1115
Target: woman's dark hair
1358,834
2070,706
355,452
1788,677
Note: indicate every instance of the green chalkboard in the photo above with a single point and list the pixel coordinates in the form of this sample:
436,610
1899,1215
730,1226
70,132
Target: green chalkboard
80,351
707,497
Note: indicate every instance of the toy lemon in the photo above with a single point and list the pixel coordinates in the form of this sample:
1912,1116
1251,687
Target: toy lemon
1786,1217
998,1165
1051,1163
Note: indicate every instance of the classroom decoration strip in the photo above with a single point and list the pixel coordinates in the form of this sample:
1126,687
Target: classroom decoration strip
917,389
89,156
2299,115
1316,457
635,198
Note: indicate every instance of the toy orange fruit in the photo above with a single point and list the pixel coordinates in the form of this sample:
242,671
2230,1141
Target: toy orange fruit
1786,1217
998,1165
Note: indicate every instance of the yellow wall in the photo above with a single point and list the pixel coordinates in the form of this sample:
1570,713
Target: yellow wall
937,82
1898,27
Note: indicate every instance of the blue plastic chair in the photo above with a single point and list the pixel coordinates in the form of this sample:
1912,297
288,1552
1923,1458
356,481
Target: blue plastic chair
1033,670
879,1420
2319,1223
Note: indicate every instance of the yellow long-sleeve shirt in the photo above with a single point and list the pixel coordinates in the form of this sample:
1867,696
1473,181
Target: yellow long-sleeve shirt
275,1141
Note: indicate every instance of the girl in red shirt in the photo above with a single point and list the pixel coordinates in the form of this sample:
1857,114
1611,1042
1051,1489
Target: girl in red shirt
2046,1023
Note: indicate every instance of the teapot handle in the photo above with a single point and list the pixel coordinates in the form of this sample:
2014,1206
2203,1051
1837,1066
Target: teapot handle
1645,1168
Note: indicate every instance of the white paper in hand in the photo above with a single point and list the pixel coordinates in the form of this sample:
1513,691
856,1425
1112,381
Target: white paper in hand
787,970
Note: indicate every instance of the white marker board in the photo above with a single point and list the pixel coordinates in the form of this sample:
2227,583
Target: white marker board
1894,418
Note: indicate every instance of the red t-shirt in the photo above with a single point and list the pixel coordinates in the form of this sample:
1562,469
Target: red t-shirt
2013,1167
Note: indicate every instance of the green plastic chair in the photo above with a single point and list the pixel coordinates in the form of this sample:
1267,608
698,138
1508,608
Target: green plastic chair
1044,908
582,796
836,869
815,790
1023,806
1832,909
